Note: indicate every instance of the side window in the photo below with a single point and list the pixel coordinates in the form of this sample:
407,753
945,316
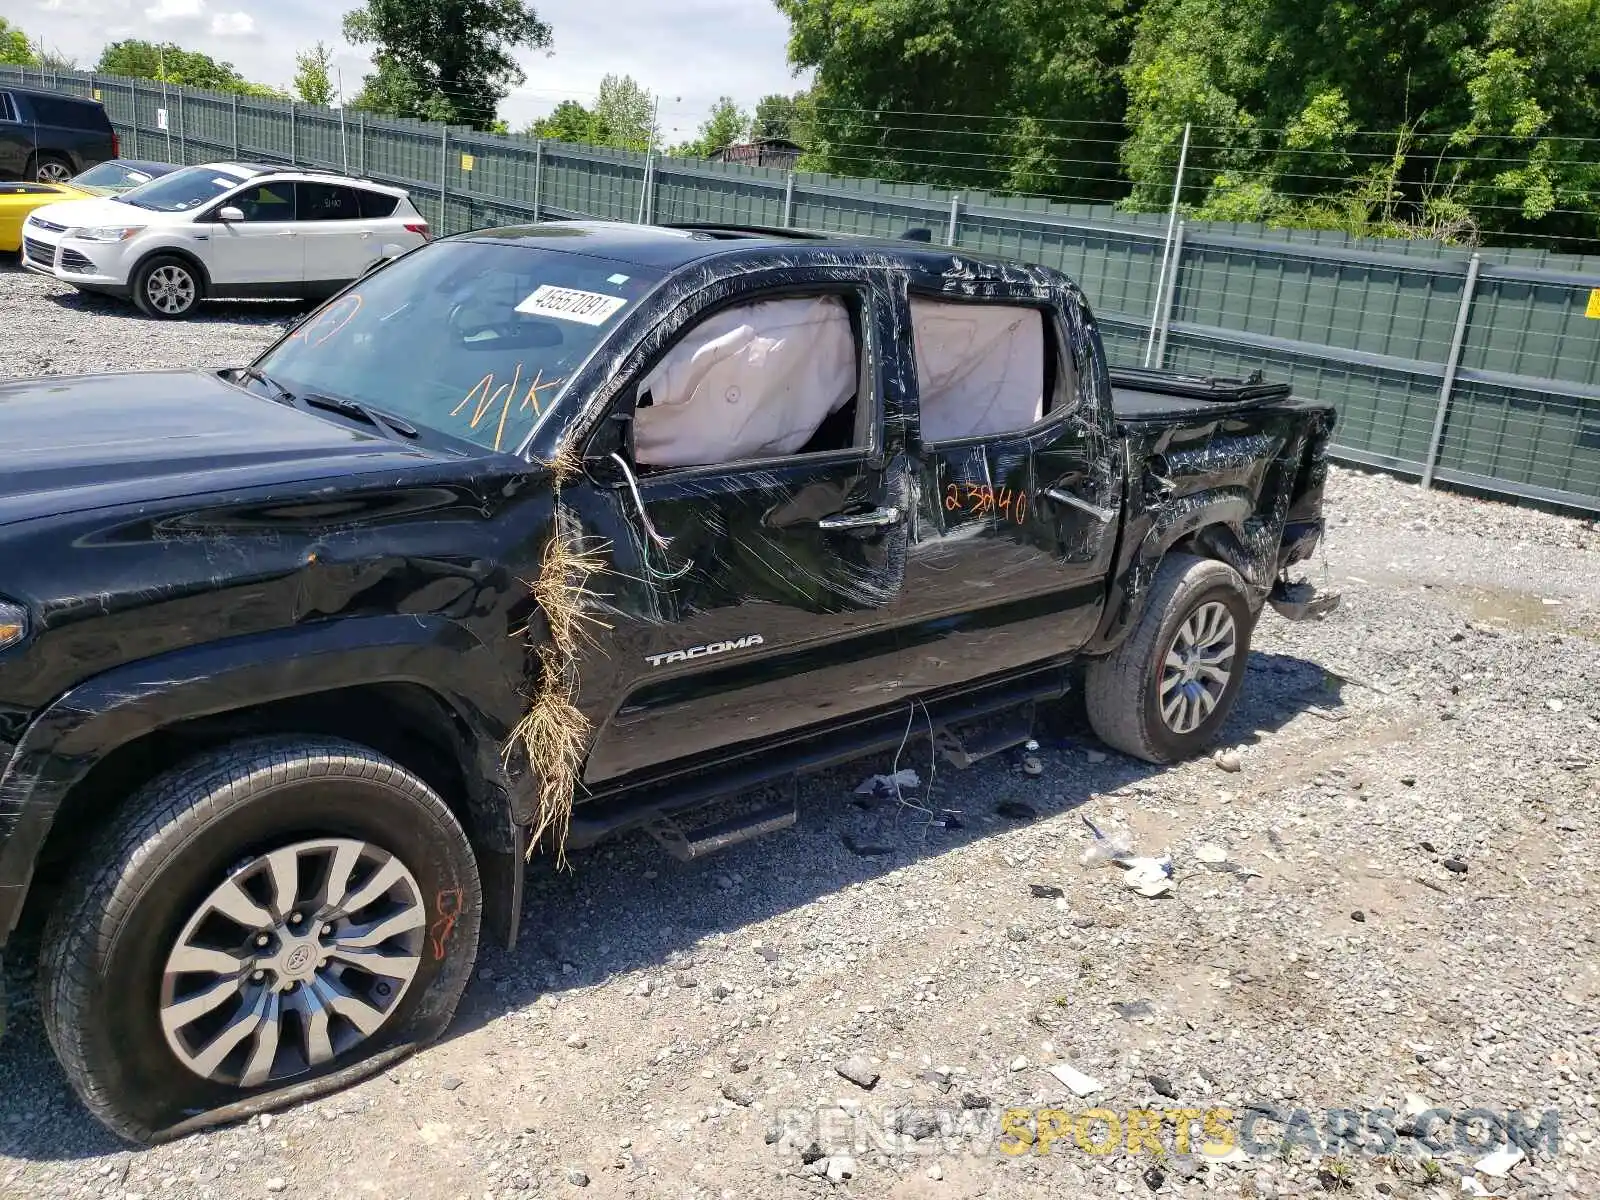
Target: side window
766,379
375,204
61,113
326,202
985,369
266,202
8,108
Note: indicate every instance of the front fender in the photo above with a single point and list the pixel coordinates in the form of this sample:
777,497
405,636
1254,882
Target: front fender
108,711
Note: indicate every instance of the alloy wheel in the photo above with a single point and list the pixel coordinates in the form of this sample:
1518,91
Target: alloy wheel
298,956
54,172
171,289
1197,668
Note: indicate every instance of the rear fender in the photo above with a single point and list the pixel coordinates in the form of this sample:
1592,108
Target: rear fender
111,710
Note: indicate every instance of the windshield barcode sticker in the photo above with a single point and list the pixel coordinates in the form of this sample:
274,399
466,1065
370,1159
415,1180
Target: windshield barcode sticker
569,304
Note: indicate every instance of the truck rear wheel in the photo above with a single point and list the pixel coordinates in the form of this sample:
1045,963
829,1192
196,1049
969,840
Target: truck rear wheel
261,918
1165,693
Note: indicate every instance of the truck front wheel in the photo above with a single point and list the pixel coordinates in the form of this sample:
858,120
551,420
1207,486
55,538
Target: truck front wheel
262,918
1165,693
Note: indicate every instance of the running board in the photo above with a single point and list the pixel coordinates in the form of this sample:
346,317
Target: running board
972,743
686,845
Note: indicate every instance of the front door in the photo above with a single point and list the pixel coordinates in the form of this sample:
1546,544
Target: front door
265,250
1013,539
748,600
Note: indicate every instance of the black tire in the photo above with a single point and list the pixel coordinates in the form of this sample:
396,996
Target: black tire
45,167
129,899
1123,690
170,269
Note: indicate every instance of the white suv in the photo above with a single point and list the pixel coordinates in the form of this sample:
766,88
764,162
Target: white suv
235,230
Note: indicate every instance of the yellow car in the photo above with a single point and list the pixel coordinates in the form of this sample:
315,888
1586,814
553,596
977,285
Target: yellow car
112,178
17,200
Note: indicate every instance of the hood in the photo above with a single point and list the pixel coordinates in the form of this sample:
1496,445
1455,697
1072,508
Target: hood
71,443
37,195
96,212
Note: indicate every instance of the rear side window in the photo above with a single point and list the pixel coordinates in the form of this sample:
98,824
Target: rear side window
8,107
377,204
69,114
326,202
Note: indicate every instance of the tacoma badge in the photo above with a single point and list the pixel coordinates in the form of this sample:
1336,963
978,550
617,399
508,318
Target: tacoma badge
674,656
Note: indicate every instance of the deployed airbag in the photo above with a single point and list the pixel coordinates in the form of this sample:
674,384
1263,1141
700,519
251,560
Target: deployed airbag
980,368
749,382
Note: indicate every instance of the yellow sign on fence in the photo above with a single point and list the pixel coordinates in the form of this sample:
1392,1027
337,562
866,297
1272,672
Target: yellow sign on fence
97,93
1593,311
466,162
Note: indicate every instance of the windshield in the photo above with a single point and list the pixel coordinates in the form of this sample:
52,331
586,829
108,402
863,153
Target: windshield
473,339
182,190
112,175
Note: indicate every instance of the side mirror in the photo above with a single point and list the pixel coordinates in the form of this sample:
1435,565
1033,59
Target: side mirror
230,214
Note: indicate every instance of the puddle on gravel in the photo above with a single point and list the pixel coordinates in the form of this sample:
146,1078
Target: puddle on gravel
1505,606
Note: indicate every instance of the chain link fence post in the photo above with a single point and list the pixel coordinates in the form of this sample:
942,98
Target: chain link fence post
1452,363
538,179
1172,292
1166,248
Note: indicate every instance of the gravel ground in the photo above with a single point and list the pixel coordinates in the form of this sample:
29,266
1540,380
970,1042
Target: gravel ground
1393,900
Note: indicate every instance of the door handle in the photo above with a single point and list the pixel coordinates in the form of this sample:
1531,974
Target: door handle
878,518
286,233
1104,515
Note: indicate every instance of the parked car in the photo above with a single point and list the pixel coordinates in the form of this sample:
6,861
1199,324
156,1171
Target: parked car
118,175
49,138
289,674
17,200
224,230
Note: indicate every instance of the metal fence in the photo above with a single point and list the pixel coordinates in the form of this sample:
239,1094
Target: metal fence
1474,369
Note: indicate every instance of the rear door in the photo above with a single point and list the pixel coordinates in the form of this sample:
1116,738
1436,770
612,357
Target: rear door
265,250
16,138
750,600
1013,539
338,245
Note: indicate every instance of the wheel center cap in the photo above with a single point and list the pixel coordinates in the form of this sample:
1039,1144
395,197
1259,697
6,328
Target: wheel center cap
298,961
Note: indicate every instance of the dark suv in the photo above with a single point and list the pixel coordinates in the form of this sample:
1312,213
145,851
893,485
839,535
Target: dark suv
51,138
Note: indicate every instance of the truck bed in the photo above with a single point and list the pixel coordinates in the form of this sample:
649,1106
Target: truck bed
1139,395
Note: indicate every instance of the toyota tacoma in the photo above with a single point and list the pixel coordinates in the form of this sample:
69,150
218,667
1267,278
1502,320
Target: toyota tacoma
538,535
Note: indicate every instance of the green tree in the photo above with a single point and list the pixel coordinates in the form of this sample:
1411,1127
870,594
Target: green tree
312,81
1480,98
775,117
624,111
971,93
173,64
727,124
15,49
569,122
448,60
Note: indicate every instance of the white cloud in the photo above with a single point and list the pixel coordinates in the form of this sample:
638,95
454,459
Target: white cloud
234,24
691,51
174,10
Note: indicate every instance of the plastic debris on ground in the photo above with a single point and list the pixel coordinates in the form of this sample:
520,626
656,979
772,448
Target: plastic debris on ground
1500,1162
1150,877
1077,1082
886,786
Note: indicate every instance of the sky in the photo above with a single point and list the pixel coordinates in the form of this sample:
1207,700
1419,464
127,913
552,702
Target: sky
689,51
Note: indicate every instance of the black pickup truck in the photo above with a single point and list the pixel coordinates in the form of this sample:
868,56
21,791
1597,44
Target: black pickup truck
537,535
